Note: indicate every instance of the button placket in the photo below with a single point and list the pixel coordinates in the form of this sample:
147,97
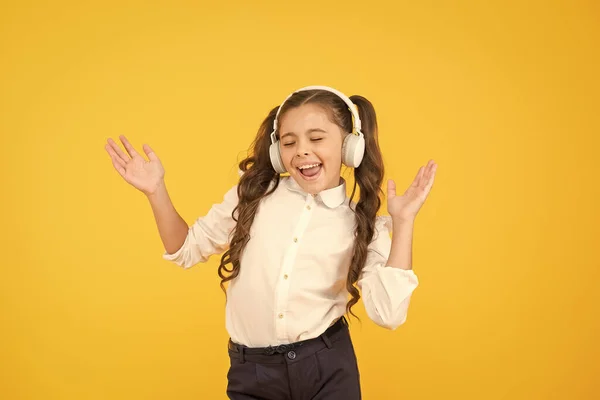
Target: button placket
310,199
286,273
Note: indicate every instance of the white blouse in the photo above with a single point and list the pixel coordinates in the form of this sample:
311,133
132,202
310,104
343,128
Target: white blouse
292,280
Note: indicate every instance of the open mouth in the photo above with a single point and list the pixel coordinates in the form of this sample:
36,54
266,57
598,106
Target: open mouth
310,171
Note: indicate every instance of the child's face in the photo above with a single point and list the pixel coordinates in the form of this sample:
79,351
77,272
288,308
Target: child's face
309,138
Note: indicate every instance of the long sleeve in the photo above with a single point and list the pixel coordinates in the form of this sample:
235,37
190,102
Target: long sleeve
386,291
208,235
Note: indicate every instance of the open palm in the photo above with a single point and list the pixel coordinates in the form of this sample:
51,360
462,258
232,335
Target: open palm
144,175
407,206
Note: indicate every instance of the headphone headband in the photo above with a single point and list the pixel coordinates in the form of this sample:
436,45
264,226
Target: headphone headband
351,106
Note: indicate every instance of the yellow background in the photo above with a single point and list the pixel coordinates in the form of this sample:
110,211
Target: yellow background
503,95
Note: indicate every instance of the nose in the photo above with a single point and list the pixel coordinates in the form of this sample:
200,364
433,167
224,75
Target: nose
301,154
303,149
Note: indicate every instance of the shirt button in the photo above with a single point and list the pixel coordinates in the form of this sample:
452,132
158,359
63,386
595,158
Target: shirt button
295,240
291,355
308,207
285,276
280,315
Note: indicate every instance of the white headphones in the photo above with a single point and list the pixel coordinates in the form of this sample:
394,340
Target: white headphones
353,148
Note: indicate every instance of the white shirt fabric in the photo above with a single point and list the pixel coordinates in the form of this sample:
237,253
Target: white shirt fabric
292,280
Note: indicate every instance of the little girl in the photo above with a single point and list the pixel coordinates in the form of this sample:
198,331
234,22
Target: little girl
295,249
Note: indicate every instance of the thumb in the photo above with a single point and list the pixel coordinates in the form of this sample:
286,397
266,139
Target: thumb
391,189
150,153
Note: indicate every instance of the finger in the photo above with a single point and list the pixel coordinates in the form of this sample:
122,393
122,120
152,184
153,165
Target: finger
128,146
115,157
432,166
431,178
150,153
417,181
116,161
427,174
119,169
118,150
427,188
391,189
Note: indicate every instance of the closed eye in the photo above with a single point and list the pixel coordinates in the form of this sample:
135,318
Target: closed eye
293,143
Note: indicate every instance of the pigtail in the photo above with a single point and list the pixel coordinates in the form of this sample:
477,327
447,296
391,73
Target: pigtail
256,174
368,177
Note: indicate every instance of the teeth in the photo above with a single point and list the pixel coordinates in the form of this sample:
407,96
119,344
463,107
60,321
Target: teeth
309,166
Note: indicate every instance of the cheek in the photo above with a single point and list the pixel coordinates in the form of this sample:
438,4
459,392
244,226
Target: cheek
286,156
332,155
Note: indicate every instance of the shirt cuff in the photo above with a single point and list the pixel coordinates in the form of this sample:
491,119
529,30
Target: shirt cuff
181,257
387,293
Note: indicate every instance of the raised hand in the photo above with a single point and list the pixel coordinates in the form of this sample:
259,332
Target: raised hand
406,207
145,175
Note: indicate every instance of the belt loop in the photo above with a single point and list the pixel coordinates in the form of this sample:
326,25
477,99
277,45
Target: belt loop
326,340
242,359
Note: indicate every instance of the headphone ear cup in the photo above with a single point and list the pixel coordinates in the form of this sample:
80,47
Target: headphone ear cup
353,150
276,161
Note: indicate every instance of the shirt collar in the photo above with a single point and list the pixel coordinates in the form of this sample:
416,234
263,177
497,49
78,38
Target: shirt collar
332,198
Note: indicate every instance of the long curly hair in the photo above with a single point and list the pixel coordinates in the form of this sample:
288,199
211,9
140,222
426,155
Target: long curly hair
258,174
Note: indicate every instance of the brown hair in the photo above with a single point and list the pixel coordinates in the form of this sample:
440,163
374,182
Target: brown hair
259,173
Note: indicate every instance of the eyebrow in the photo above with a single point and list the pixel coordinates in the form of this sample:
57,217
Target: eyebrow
308,131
